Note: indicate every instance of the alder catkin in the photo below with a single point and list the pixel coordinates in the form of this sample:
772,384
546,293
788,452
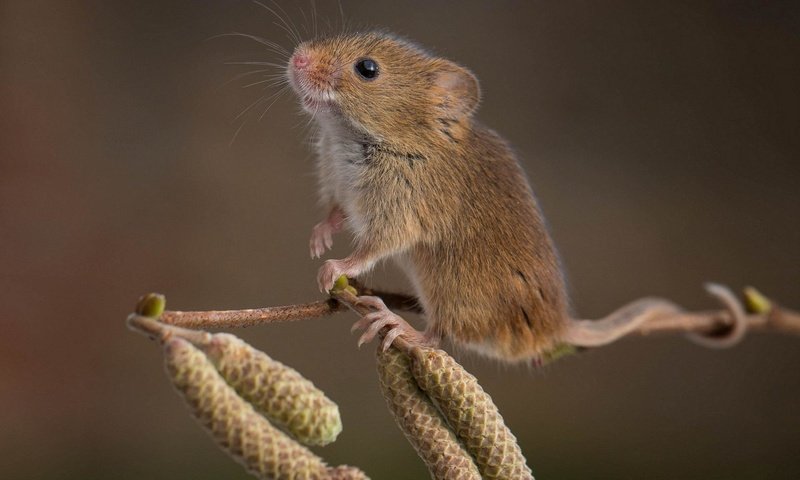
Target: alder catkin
471,414
421,422
344,472
277,391
248,437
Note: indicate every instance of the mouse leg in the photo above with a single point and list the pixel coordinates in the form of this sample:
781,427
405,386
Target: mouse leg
381,318
395,301
322,233
360,261
333,269
377,237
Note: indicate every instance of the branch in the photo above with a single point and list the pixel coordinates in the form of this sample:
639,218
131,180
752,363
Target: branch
214,319
238,392
711,328
729,326
765,317
249,317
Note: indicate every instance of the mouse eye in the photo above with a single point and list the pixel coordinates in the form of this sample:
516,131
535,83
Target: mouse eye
367,68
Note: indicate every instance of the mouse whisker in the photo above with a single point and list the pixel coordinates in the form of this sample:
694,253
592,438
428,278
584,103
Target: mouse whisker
310,27
275,98
279,79
274,82
305,21
236,134
263,98
288,26
276,76
246,74
271,46
243,112
342,22
266,64
314,18
314,113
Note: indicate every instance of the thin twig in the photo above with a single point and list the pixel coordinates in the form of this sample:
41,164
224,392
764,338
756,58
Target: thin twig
163,332
215,319
713,324
780,320
252,316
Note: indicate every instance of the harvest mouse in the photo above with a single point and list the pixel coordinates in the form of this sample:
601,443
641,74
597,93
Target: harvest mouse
403,163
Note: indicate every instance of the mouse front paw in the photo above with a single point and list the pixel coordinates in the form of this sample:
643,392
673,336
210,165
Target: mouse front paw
330,271
323,232
321,239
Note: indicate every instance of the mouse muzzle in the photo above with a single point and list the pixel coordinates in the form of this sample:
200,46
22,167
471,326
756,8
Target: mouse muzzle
313,78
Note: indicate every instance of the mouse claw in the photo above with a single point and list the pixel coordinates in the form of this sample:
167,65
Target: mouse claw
374,322
372,302
390,337
363,322
321,239
328,273
382,318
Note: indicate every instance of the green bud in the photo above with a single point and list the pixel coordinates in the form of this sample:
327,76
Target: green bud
151,305
352,290
341,283
755,302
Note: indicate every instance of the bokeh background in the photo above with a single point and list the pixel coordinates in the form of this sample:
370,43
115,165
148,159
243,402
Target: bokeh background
662,139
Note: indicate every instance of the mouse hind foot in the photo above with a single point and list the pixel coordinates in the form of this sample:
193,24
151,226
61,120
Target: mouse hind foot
383,318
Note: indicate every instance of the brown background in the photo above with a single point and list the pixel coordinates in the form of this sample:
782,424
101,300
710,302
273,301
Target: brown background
661,137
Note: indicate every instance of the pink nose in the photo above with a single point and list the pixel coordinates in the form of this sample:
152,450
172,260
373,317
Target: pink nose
300,60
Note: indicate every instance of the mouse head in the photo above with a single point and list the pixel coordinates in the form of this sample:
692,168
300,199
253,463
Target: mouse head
383,87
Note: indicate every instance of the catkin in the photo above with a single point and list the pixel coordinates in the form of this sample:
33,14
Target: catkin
344,472
277,391
247,436
471,414
421,422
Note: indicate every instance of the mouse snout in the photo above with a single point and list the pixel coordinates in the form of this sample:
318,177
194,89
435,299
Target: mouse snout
300,60
313,77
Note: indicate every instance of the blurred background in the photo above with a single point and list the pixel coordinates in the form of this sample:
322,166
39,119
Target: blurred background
661,139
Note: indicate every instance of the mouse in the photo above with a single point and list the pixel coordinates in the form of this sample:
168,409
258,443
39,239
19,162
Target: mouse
402,162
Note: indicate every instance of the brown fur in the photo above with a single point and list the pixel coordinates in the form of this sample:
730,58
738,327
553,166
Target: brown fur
439,192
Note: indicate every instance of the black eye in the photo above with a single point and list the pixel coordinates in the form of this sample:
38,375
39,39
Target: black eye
367,68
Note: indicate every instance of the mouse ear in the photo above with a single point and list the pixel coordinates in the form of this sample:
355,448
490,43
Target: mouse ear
458,89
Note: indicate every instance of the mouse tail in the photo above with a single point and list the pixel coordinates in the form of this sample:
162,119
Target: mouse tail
595,333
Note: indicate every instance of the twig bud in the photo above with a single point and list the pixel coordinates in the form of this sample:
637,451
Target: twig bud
755,301
277,391
421,422
343,284
471,414
151,305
